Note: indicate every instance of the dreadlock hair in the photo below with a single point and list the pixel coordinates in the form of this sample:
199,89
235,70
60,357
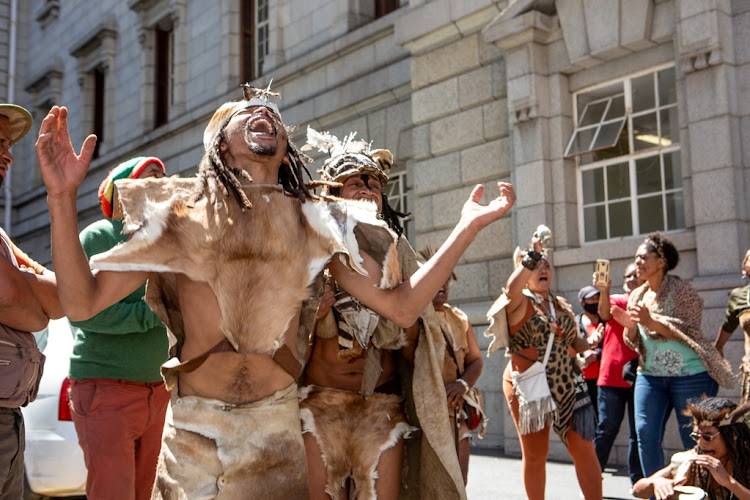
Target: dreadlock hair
215,174
735,434
291,175
393,217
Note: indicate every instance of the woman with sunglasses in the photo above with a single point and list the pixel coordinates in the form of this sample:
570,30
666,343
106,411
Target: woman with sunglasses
720,462
676,361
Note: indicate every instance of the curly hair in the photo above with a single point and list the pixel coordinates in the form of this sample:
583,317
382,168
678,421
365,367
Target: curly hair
663,247
735,433
214,174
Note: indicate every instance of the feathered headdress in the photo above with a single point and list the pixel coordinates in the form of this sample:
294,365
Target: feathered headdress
349,157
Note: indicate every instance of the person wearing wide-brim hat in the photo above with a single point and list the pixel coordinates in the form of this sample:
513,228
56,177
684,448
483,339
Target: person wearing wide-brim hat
27,302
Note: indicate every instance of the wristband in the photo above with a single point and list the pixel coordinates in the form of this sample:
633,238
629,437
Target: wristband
534,255
464,383
529,263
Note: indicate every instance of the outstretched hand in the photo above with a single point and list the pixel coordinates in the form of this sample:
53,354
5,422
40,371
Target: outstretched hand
474,213
62,169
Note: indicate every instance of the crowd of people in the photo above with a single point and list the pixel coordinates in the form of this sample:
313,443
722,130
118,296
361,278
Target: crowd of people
242,299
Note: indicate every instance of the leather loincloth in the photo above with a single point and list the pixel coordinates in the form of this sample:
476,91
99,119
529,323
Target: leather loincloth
352,433
211,449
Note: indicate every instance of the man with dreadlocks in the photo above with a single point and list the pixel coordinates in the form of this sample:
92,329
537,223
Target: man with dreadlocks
229,257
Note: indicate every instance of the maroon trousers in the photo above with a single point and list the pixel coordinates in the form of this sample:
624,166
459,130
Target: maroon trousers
119,425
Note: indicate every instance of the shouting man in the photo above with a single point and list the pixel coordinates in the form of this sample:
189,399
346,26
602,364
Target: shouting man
231,255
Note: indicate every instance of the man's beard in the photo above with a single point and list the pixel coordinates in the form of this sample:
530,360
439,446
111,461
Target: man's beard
262,149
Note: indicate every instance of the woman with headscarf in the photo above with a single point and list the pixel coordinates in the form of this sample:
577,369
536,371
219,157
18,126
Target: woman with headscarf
720,462
676,361
540,323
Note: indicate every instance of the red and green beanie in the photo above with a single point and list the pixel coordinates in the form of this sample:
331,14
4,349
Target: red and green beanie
129,169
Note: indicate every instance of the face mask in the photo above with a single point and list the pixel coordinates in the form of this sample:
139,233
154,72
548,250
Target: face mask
591,308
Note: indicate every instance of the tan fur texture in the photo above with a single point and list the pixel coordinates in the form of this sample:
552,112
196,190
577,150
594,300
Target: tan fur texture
352,433
214,450
277,248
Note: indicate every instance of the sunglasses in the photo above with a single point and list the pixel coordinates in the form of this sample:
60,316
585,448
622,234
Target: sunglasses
707,437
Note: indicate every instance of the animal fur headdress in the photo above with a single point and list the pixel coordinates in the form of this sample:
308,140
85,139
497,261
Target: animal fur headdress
349,157
716,412
252,97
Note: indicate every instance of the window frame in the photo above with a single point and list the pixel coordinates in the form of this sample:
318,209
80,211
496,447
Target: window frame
163,74
258,34
396,189
631,159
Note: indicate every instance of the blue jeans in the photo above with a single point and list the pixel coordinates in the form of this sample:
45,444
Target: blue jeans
613,401
655,397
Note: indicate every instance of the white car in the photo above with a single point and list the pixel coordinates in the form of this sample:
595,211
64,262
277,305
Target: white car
53,460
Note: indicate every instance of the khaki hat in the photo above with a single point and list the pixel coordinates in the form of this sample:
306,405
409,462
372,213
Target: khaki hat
20,121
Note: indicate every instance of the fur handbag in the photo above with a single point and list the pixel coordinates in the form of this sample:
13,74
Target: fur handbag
535,403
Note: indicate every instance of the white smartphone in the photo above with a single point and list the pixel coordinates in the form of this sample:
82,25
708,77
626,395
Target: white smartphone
602,272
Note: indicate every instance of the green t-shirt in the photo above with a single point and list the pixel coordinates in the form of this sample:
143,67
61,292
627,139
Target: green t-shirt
739,302
126,341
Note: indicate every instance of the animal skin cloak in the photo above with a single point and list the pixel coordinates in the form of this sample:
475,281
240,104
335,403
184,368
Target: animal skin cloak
279,245
432,469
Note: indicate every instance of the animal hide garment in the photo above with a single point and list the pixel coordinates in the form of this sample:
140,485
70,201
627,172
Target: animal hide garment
261,259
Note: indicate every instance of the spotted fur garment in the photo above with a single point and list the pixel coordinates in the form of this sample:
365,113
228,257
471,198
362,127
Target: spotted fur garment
564,379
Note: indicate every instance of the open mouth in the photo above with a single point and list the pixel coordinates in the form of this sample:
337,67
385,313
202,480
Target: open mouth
261,125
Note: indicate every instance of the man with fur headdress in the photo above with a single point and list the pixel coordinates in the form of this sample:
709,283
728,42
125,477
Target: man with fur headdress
360,364
229,257
353,419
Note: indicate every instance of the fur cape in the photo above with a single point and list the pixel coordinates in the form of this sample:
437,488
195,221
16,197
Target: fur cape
678,307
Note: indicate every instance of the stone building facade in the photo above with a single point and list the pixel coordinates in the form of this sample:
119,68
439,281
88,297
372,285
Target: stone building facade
611,117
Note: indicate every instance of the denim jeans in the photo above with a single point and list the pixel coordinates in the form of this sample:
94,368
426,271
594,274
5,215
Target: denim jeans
613,402
655,398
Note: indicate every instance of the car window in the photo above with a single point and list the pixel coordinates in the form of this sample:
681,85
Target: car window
41,338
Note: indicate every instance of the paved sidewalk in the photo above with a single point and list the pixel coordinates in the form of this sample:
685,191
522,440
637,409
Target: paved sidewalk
493,476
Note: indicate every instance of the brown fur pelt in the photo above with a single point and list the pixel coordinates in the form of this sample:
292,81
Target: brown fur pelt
352,433
266,257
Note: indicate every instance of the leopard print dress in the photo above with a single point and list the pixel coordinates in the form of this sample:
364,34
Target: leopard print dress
566,383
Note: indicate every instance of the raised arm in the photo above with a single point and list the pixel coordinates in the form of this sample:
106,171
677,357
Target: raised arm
404,303
82,294
517,283
604,309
